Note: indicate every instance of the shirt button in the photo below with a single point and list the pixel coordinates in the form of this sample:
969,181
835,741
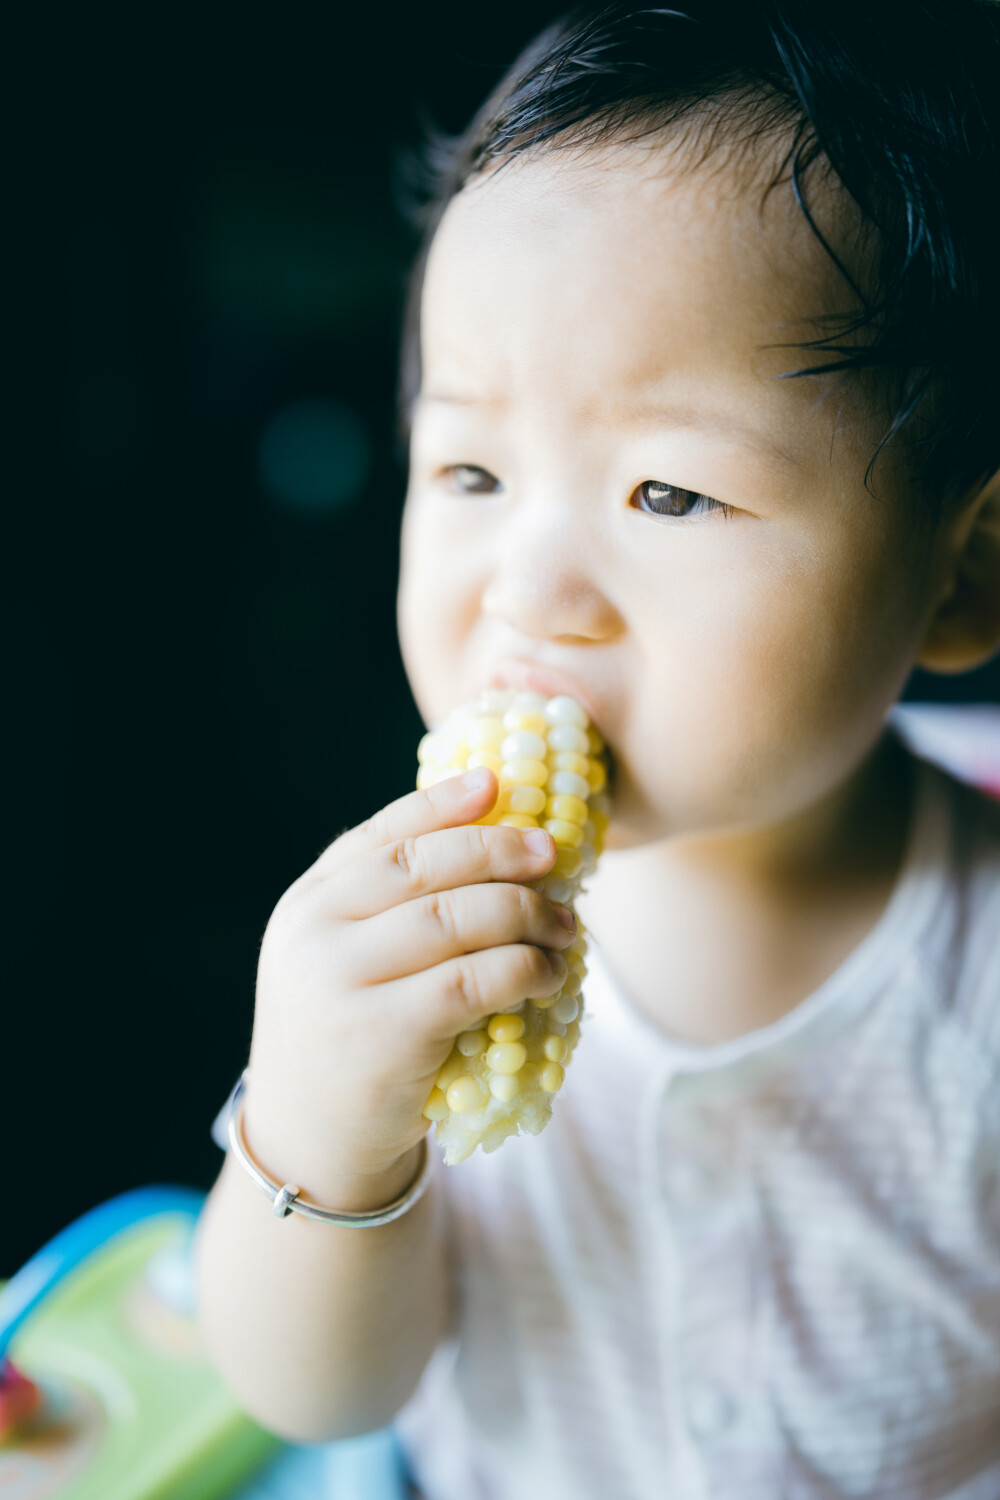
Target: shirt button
710,1410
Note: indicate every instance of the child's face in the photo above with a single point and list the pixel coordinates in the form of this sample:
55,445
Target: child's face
594,332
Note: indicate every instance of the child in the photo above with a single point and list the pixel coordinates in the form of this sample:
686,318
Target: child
704,431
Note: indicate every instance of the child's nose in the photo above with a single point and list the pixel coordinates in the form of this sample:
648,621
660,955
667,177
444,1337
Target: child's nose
543,589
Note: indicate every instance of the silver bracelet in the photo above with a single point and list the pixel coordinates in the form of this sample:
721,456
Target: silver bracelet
288,1198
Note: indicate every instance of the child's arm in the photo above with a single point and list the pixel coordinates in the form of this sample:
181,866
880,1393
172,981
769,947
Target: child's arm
323,1332
407,931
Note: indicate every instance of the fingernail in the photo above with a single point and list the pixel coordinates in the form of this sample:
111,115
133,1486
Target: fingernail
536,841
476,779
564,916
559,966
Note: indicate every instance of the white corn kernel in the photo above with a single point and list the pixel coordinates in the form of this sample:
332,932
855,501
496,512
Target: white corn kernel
568,737
523,743
565,1009
563,710
569,784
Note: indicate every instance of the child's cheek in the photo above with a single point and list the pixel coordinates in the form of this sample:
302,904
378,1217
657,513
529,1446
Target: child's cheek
772,684
437,605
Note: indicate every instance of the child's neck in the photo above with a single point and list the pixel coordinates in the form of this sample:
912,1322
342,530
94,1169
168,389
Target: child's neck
713,938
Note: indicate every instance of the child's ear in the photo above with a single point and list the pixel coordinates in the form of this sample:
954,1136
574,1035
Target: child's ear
964,630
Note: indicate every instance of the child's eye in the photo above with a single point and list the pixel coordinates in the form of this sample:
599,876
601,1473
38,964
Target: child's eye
470,479
667,500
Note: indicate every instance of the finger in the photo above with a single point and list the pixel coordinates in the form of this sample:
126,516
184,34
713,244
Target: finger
459,799
438,861
427,932
457,996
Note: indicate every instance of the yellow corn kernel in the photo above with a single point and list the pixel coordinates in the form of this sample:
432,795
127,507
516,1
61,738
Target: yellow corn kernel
505,1086
546,1002
503,1072
485,733
505,1028
507,1057
436,1107
597,776
571,809
600,824
569,760
453,1068
525,770
528,1078
522,799
568,863
485,757
464,1095
526,719
563,832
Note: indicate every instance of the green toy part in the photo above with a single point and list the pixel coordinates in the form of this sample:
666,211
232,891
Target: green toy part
135,1411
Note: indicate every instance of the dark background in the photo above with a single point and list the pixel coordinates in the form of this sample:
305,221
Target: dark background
204,683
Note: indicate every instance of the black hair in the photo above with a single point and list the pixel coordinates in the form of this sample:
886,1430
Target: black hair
900,100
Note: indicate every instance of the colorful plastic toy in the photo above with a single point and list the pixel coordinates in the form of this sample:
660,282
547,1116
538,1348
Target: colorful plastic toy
105,1395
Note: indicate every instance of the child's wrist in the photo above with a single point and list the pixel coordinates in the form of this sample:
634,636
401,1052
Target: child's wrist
287,1150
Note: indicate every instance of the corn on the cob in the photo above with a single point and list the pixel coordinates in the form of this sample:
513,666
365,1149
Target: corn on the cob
501,1077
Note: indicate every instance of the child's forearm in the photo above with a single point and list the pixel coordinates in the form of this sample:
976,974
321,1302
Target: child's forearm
322,1332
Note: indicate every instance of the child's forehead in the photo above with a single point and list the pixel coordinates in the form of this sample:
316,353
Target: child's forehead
635,255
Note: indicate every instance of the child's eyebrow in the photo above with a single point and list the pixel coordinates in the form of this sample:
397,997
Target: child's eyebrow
702,420
644,412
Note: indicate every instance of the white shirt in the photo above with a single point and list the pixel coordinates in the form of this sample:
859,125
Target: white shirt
764,1270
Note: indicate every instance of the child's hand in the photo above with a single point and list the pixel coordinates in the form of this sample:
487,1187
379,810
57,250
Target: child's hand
407,930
